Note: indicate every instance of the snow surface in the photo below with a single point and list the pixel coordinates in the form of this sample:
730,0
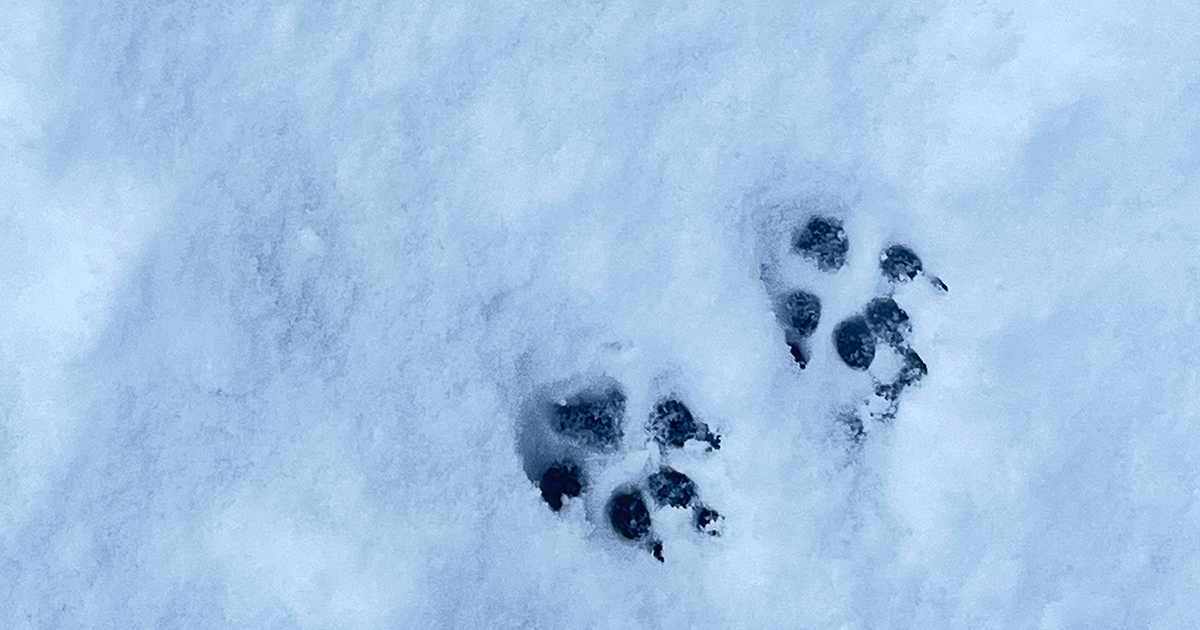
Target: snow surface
277,278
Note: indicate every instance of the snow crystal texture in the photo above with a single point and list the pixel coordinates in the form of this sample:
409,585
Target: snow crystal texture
284,284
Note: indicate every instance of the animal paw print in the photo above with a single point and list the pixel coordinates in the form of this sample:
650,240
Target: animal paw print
568,441
880,327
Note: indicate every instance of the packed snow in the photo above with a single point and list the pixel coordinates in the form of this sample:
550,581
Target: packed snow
301,301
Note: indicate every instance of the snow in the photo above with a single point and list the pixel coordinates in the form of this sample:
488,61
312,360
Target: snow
278,280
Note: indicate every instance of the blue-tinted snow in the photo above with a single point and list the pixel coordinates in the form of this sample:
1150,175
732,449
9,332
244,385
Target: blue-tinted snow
276,279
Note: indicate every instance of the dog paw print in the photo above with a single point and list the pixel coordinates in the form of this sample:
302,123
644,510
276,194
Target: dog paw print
569,441
881,327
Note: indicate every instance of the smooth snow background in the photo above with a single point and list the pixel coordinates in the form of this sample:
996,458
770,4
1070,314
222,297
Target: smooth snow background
275,279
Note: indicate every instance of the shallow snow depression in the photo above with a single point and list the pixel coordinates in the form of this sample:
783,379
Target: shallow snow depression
457,315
